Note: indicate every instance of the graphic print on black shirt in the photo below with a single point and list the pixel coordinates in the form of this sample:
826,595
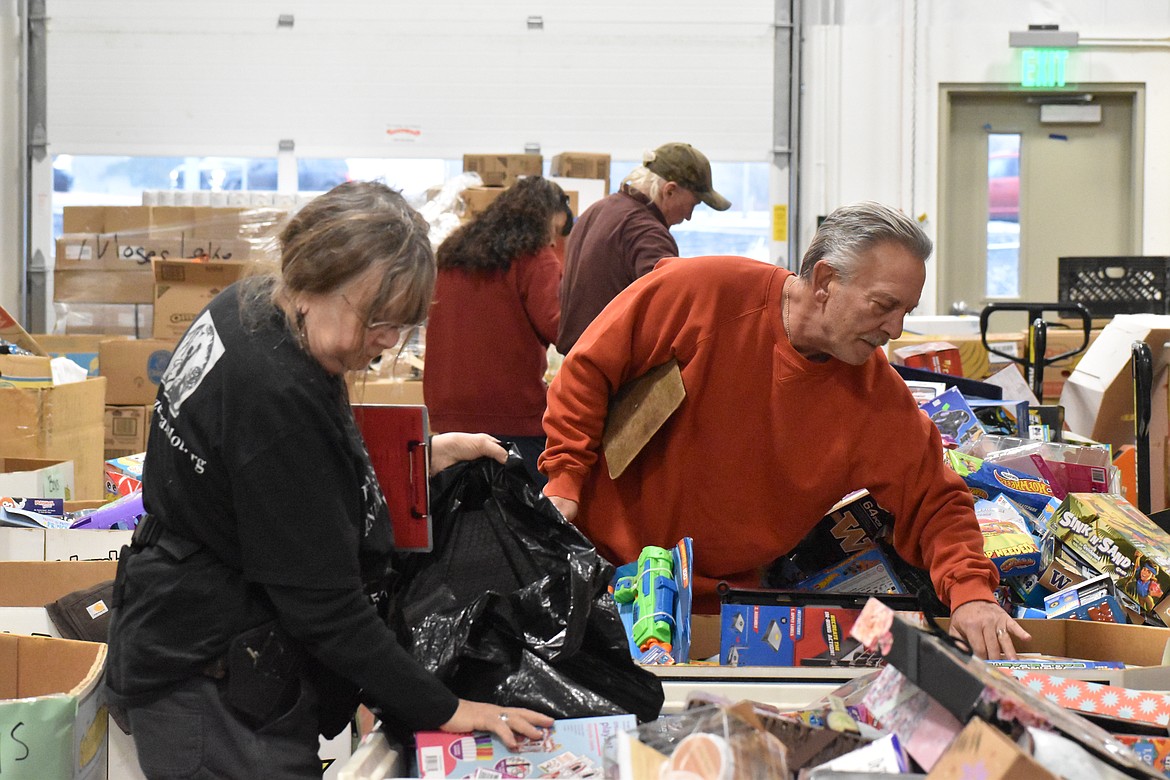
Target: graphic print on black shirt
196,355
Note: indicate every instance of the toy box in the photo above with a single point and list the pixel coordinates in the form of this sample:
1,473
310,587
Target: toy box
1006,540
1155,751
760,635
851,526
988,480
1112,536
1093,599
124,475
573,747
868,571
679,618
953,416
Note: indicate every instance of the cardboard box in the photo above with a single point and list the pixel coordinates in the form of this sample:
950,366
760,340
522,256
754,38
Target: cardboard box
126,430
383,391
477,199
570,748
51,690
171,221
27,586
581,165
983,751
130,221
1098,396
974,361
755,635
502,170
133,369
25,371
83,219
85,544
61,423
37,478
106,268
183,288
11,331
81,348
941,357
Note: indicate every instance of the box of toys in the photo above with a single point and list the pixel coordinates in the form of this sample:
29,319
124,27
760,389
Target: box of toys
1109,534
765,635
868,571
953,417
1006,540
572,747
850,527
1093,599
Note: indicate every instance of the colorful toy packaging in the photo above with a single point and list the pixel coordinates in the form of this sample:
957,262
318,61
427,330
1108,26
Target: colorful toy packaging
1093,599
761,635
987,480
1110,535
124,475
868,571
853,525
573,747
953,417
653,598
1006,540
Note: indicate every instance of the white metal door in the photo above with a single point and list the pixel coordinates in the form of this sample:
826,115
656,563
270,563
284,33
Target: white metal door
1018,193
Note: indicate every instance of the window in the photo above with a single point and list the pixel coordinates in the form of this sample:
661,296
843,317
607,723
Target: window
744,229
1003,215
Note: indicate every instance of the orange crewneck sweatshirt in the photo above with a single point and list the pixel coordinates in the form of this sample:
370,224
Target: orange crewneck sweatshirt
764,443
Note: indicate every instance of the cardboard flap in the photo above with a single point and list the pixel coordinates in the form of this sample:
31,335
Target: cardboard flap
10,330
636,413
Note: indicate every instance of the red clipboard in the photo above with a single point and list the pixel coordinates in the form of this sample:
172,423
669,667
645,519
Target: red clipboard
396,438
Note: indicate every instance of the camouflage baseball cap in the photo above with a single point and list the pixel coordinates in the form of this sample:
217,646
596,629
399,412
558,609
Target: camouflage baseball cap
687,166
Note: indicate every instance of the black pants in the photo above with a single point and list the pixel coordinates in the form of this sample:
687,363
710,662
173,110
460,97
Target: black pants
192,733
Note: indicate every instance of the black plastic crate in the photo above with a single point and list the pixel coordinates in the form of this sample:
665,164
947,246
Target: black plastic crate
1116,285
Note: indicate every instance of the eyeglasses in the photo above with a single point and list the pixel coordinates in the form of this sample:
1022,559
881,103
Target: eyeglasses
381,327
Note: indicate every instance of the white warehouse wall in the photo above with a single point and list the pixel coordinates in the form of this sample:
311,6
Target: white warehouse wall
10,158
872,75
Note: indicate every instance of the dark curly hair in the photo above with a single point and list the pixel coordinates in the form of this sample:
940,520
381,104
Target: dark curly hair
514,225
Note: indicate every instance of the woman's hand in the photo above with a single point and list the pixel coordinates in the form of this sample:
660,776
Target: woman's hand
447,449
504,722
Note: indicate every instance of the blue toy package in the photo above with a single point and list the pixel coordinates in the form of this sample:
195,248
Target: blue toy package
1093,599
953,416
638,588
868,571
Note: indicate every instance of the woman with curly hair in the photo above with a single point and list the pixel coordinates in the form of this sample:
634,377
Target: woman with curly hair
496,311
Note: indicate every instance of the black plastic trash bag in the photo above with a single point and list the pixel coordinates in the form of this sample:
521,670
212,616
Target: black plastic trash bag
513,607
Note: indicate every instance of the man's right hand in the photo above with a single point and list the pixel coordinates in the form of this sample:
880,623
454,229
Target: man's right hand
565,506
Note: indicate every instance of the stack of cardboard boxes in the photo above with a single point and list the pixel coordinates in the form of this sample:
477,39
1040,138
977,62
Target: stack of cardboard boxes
500,171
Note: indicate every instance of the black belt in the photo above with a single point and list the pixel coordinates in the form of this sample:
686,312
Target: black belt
150,532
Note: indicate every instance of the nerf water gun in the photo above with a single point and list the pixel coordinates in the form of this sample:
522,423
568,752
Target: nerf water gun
653,593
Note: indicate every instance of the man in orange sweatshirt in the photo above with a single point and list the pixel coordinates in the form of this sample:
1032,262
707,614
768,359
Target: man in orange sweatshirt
790,405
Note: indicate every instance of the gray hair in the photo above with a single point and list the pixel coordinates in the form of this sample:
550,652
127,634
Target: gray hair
852,230
645,181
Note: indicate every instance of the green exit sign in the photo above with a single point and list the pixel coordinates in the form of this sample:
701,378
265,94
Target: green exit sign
1043,67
